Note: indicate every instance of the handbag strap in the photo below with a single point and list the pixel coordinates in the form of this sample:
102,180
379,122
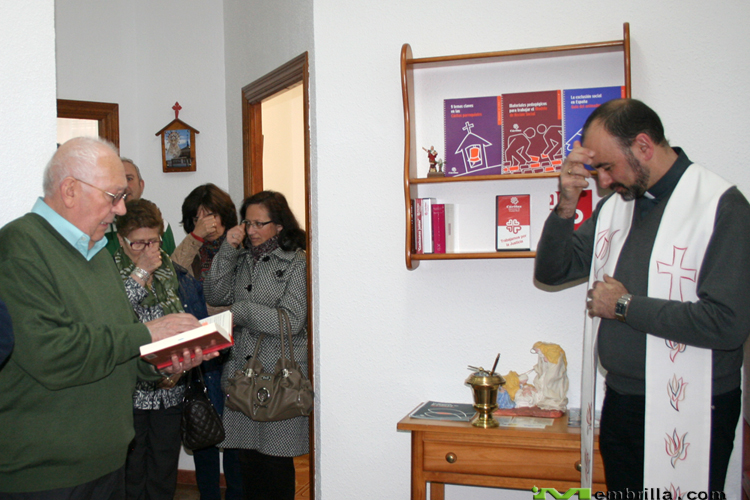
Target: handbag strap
198,379
285,328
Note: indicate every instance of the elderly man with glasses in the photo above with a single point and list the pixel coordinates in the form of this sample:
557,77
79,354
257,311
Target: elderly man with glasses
66,399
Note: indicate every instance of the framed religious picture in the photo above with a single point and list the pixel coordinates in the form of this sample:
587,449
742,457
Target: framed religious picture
178,145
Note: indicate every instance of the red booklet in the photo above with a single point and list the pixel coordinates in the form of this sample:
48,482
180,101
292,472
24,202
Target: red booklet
532,132
514,222
438,228
214,334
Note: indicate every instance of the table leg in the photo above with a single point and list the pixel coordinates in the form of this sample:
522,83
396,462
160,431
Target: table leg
418,483
437,491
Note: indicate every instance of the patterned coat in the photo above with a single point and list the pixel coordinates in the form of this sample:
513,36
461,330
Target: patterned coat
254,290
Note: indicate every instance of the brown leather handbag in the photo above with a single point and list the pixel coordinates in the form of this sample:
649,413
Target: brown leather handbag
267,397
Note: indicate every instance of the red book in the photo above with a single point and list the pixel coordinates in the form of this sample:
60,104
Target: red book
214,334
514,222
438,228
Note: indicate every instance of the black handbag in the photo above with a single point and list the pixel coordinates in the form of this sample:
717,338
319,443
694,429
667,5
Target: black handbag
201,425
267,397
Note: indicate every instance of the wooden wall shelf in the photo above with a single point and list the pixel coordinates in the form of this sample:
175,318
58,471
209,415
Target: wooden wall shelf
412,181
474,255
476,178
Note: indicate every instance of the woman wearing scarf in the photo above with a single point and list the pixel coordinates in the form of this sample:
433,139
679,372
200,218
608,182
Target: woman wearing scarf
206,213
261,267
152,287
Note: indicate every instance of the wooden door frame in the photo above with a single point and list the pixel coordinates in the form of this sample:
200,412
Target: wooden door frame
283,77
106,113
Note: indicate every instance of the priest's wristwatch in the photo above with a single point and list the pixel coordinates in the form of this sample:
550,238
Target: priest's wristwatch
621,308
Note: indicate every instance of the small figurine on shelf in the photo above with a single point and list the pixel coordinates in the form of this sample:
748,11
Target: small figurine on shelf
436,166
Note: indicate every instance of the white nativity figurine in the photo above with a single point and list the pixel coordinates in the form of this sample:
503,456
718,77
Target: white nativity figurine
549,388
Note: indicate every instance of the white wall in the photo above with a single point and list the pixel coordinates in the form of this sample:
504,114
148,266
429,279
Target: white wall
27,99
259,37
144,56
390,338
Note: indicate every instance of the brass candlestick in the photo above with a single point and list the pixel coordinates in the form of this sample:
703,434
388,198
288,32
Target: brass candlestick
484,387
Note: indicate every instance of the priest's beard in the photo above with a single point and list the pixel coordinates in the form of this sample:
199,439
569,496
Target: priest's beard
640,186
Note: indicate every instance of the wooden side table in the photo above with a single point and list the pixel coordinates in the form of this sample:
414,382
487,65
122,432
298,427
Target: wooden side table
457,453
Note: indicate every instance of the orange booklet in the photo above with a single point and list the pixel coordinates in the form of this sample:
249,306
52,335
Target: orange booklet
214,334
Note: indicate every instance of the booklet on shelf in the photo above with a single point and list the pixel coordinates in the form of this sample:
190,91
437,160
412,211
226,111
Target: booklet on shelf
532,132
418,226
438,228
451,228
473,136
214,334
578,104
427,224
513,222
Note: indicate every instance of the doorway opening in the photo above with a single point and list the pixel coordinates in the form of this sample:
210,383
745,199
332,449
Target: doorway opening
272,104
80,118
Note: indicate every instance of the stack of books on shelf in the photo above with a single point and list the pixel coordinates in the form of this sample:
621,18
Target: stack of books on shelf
434,226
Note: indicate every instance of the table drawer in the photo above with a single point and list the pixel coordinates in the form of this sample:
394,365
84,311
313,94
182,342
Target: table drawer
493,460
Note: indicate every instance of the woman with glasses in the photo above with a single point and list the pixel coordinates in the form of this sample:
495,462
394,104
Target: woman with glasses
206,213
152,286
261,267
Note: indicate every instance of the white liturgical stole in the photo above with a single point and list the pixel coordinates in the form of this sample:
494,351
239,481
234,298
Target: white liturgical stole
678,377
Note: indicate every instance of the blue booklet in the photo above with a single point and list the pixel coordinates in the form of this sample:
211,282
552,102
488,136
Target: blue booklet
578,104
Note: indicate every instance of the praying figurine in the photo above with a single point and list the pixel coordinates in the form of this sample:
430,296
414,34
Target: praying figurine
549,388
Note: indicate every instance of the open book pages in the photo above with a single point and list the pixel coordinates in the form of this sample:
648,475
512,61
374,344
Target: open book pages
214,334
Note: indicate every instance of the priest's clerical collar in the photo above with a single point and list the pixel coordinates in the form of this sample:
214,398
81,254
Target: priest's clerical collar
669,181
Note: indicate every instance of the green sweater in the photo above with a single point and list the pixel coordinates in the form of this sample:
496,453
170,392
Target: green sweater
66,409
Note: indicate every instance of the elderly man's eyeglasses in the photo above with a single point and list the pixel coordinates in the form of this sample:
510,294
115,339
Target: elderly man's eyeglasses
254,223
140,245
115,197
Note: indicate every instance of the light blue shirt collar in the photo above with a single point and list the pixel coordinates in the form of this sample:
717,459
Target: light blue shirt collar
77,238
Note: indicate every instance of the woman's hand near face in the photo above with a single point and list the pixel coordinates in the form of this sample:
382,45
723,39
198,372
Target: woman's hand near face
206,225
236,235
149,259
